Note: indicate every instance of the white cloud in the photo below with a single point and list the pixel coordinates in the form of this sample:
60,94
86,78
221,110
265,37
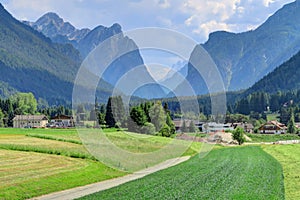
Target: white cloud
164,3
212,26
197,18
268,2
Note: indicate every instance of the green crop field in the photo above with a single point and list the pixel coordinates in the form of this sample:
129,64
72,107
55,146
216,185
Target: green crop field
225,173
289,157
41,161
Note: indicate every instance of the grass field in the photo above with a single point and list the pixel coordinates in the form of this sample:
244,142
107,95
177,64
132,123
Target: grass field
40,161
272,138
225,173
28,174
289,157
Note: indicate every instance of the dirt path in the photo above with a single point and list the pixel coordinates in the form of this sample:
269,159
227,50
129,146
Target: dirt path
96,187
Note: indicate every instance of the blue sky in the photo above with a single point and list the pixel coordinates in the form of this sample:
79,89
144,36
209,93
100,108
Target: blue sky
196,18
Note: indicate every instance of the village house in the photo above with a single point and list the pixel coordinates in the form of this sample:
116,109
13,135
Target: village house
30,121
62,121
248,127
273,127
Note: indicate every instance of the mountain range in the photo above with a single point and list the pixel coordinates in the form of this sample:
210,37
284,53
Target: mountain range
244,58
86,40
43,57
30,62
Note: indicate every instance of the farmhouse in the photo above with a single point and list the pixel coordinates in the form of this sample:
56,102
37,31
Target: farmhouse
29,121
273,127
248,127
62,121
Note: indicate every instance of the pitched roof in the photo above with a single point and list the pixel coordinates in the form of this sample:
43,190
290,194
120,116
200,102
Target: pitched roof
30,117
62,117
276,124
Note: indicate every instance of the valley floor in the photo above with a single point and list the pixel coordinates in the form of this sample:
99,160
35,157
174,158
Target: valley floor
35,162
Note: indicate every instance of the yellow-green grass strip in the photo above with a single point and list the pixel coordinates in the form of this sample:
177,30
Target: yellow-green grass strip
289,157
27,174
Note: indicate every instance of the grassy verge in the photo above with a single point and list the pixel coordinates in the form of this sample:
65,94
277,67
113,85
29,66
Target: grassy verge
50,137
21,142
289,157
132,142
225,173
272,138
27,174
40,149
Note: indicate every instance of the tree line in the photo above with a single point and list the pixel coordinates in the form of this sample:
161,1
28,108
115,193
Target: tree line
26,104
147,118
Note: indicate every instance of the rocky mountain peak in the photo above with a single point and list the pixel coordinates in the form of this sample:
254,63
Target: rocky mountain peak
51,25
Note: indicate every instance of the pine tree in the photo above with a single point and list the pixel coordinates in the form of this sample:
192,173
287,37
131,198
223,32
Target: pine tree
109,117
184,127
119,110
1,118
192,127
242,107
10,113
157,115
170,123
137,114
291,123
284,115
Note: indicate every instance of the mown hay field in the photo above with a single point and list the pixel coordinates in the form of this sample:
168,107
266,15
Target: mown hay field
41,161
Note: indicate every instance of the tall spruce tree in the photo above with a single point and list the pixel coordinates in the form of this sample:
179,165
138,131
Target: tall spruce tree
158,116
137,114
1,118
184,127
291,123
115,112
109,117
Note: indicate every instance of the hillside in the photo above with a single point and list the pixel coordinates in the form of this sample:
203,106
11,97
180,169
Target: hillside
30,62
284,78
244,58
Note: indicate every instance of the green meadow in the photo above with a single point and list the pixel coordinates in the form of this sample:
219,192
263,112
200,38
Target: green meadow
225,173
40,161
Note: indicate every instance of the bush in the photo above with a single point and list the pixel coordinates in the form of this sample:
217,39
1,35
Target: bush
165,131
148,128
238,135
88,126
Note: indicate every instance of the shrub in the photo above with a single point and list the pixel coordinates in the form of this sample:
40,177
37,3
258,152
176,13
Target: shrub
148,128
238,135
165,131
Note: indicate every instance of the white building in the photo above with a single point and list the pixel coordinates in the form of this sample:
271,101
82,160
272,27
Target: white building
29,121
216,127
62,121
